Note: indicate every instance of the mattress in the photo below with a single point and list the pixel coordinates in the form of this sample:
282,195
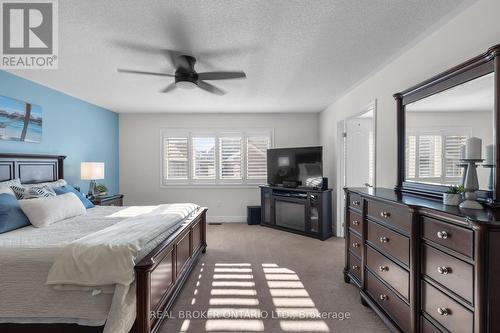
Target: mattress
26,256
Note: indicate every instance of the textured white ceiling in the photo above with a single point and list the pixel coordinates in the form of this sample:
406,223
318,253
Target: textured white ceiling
298,55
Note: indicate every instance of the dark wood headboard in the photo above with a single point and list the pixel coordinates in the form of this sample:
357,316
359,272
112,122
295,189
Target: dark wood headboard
30,168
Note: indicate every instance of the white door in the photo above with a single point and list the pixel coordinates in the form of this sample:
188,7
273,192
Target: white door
356,155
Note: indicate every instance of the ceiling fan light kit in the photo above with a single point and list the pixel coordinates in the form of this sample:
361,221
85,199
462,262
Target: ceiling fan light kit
186,77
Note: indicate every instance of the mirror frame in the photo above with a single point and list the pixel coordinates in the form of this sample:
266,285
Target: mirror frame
486,63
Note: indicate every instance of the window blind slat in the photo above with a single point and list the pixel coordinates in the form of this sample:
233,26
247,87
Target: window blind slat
230,158
176,158
257,156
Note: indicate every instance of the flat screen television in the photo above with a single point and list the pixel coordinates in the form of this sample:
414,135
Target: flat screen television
294,167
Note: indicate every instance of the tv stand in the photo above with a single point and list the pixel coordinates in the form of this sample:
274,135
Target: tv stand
303,211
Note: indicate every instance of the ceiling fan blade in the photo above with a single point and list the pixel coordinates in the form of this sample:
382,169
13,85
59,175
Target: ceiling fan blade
210,88
169,88
132,71
148,49
221,75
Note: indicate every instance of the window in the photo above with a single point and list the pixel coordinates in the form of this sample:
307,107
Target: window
203,156
433,155
257,156
214,157
176,165
230,157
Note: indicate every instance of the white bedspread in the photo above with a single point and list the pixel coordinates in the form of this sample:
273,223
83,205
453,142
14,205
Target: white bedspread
108,256
30,253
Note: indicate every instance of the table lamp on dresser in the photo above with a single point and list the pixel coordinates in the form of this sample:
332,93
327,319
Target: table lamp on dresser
92,171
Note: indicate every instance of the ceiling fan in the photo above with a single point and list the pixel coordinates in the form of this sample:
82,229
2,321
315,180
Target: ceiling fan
186,77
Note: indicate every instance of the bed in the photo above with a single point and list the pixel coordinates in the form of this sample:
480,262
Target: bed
165,262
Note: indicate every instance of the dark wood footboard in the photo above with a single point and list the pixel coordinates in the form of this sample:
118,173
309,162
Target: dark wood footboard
161,274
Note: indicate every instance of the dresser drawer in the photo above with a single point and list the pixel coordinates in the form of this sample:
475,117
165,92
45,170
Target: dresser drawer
428,327
389,301
397,277
355,201
398,217
389,242
446,234
354,243
356,221
449,313
355,266
454,274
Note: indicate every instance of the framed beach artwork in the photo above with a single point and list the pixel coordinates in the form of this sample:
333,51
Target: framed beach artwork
20,121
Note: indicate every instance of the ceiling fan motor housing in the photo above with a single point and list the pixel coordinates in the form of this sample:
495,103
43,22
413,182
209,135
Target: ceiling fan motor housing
186,77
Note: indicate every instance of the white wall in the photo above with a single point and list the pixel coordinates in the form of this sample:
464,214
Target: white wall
140,157
466,35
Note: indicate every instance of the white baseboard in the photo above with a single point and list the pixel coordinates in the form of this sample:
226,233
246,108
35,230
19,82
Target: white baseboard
226,219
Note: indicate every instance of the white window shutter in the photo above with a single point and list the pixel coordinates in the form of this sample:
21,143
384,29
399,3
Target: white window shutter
452,144
203,157
230,158
430,154
257,156
176,158
411,154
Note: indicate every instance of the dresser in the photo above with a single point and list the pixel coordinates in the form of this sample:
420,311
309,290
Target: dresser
422,266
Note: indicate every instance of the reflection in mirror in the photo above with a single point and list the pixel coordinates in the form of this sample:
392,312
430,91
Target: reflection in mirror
439,125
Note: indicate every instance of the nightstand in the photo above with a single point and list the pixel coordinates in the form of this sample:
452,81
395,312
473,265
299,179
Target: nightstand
108,200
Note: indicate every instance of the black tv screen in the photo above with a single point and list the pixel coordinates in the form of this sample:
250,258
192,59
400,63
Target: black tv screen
303,166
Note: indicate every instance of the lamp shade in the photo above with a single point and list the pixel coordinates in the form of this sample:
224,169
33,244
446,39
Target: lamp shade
92,170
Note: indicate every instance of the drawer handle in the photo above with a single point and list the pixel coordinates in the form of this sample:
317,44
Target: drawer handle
384,239
355,222
442,234
355,267
383,268
356,203
443,311
355,245
444,270
383,297
385,214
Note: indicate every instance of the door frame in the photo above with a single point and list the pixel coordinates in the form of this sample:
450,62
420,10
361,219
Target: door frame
341,162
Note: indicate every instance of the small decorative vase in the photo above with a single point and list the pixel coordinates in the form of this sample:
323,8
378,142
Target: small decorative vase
451,199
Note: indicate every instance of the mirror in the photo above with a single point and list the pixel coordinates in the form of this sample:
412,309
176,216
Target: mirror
438,126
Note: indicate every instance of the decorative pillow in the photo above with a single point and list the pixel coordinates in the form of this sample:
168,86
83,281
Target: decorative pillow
54,184
70,189
42,212
9,183
23,192
11,215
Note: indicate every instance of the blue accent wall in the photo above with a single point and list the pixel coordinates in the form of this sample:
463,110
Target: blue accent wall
82,131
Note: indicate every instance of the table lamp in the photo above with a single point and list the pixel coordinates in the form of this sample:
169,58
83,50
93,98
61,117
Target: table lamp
92,171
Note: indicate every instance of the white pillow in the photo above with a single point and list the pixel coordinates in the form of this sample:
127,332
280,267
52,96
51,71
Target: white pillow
44,211
9,183
57,183
7,190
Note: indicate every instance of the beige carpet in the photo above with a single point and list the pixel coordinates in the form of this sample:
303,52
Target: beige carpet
257,279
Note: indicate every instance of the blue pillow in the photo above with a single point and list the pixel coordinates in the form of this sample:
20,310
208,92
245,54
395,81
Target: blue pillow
68,188
11,215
